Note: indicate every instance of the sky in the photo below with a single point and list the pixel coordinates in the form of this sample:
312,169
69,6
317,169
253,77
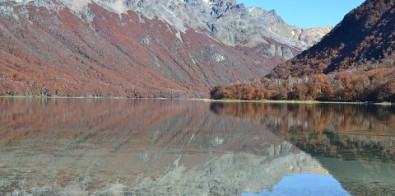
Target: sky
307,13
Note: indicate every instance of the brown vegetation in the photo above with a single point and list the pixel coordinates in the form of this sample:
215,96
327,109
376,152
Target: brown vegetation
57,53
352,85
355,62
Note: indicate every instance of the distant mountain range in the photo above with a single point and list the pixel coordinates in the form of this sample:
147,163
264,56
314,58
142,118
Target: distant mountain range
354,62
140,48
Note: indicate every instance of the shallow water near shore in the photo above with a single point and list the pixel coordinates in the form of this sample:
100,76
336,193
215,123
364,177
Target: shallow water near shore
174,147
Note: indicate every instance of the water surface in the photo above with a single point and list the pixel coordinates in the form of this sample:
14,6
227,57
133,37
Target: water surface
164,147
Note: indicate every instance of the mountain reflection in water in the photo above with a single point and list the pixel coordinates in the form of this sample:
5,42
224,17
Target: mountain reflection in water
163,147
355,143
137,147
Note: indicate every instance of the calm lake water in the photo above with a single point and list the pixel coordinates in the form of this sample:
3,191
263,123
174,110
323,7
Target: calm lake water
164,147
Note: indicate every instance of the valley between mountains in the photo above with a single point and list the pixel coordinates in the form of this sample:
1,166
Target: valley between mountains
140,48
193,49
354,62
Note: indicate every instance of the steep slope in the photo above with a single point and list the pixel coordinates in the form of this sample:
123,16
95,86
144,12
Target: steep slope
354,62
366,35
130,48
56,52
268,22
228,21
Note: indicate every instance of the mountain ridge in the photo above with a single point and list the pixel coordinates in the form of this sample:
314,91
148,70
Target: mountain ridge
354,62
212,15
350,40
99,48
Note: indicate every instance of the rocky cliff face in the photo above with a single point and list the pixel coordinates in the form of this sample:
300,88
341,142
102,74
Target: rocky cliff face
230,22
132,48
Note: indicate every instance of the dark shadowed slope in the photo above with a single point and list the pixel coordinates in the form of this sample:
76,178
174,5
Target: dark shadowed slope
365,36
354,62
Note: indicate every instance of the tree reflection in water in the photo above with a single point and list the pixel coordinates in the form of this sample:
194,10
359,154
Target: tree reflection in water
138,147
356,143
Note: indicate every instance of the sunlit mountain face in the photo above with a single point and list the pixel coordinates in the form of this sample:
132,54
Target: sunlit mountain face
124,48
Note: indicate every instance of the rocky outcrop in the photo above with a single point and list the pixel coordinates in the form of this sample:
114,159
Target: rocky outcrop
230,22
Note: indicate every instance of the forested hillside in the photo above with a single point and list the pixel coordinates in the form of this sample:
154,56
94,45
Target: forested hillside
354,62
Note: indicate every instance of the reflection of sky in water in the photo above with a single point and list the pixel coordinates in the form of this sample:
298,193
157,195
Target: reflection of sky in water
305,184
166,147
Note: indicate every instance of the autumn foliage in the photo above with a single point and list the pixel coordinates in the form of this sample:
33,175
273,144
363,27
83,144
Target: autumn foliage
354,85
354,62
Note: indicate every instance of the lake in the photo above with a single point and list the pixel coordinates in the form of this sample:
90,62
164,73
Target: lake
175,147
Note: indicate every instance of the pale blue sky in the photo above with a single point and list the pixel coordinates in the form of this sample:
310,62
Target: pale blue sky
307,13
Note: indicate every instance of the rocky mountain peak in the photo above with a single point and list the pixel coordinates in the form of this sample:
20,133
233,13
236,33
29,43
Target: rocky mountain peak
230,22
219,7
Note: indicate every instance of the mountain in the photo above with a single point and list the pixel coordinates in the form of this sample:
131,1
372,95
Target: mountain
365,36
139,48
354,62
230,22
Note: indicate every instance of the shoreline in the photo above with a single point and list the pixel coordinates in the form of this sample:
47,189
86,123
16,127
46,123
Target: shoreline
307,102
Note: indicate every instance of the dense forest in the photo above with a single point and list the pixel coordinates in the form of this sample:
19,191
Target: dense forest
373,83
354,62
